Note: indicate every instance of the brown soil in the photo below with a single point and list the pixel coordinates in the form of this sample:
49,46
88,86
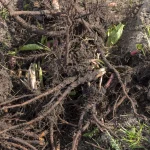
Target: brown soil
71,107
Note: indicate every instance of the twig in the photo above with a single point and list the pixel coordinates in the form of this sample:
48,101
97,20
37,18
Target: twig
35,142
66,122
80,127
52,135
99,124
98,147
41,12
69,25
67,44
17,146
109,81
78,135
96,119
18,140
28,134
118,104
15,99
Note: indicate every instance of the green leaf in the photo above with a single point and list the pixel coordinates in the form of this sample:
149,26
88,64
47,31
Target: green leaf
114,33
31,47
139,46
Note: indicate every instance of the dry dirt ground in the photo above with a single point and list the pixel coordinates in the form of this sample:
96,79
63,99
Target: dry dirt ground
68,90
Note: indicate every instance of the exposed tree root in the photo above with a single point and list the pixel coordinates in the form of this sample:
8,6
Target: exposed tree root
71,76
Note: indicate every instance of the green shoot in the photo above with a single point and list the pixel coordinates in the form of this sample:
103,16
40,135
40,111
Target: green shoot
148,30
141,48
148,35
41,77
133,136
